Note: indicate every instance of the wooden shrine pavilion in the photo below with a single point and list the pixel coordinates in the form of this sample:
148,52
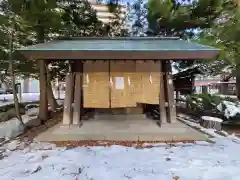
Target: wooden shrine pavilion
184,81
119,73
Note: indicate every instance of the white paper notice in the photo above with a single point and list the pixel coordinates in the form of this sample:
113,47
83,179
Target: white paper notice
119,83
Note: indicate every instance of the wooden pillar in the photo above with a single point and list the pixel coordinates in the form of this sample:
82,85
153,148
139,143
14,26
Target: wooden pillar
43,109
77,93
67,111
169,92
162,109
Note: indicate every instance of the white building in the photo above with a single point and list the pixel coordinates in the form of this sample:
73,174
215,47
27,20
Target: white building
213,84
103,11
29,85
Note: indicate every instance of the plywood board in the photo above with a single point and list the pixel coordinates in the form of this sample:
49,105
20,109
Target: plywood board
96,84
127,84
149,80
123,71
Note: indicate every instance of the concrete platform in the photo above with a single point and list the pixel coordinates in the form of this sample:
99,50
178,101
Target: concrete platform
122,130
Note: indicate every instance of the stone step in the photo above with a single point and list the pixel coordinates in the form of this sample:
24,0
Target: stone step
120,117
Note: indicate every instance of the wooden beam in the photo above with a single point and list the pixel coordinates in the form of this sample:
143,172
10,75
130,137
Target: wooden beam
119,54
67,111
162,109
77,94
171,107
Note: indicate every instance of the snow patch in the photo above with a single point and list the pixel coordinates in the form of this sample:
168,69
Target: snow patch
209,118
6,99
13,128
218,161
230,109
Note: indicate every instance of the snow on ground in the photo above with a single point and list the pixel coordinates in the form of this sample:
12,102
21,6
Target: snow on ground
225,96
12,128
230,109
200,161
25,97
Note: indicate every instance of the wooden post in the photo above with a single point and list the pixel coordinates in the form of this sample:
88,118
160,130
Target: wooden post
43,109
77,94
171,107
67,111
162,109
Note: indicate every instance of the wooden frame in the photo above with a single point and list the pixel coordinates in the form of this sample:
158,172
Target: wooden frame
72,114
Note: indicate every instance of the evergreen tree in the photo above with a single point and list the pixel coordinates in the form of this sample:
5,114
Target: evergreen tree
39,21
225,36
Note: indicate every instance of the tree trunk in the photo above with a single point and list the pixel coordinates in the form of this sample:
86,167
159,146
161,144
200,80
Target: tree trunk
16,103
51,99
211,122
43,107
238,81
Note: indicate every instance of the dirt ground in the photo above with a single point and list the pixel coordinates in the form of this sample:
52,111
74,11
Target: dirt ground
232,130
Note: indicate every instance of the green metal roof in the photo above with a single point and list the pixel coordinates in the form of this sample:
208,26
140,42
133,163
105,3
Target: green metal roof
97,48
119,44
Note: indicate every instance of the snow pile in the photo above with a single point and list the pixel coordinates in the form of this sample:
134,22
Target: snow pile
183,97
13,128
209,118
25,97
10,129
230,109
33,112
6,99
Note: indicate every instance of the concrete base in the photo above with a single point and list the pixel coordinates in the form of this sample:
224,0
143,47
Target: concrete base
122,130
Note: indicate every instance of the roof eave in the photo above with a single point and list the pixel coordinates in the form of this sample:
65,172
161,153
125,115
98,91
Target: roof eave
119,38
119,55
